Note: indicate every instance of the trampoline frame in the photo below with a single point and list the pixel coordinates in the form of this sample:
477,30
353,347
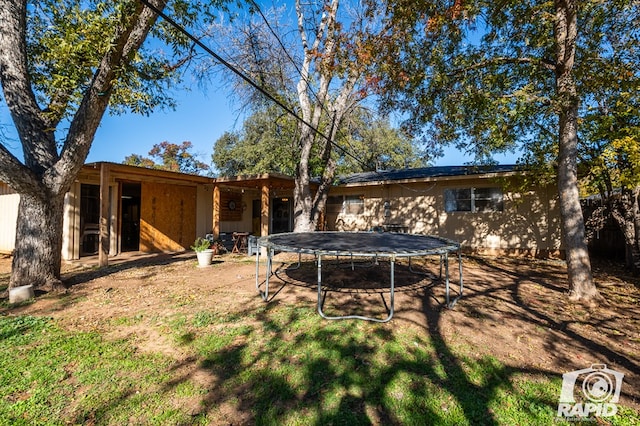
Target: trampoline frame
446,247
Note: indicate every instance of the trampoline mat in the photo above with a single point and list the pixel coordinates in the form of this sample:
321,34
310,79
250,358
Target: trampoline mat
358,243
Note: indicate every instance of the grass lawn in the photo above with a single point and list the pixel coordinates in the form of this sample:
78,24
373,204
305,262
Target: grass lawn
199,362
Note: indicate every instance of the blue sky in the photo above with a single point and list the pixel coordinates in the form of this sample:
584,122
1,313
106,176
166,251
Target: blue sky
200,118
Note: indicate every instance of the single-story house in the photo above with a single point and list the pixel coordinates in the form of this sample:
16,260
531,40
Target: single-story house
154,210
480,207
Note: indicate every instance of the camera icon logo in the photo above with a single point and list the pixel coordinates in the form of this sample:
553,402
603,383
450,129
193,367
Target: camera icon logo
593,390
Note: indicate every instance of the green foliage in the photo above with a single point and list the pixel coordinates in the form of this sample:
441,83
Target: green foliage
66,42
278,364
200,244
610,151
377,146
173,157
480,75
268,143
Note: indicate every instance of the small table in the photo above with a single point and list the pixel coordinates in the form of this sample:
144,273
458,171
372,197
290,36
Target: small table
395,227
239,242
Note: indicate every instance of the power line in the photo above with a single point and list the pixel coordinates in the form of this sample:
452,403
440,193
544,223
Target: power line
245,78
231,67
286,52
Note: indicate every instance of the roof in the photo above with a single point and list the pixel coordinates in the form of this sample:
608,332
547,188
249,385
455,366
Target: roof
422,173
425,173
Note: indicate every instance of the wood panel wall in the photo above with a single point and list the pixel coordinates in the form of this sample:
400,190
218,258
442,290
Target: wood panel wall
167,217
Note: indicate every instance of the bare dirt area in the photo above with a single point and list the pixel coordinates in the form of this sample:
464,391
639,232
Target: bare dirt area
513,309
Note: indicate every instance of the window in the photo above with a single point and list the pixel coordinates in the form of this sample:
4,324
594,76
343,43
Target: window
475,200
353,204
334,205
348,204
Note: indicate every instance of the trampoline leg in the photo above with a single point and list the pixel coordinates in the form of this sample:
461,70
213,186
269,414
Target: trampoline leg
392,293
453,303
265,293
426,274
258,269
446,273
460,272
299,263
321,297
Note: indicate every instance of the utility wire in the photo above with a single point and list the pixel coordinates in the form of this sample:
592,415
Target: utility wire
286,52
245,78
295,65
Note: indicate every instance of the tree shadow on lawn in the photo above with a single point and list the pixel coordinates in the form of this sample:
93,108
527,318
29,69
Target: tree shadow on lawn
282,363
291,365
79,272
353,373
571,336
73,278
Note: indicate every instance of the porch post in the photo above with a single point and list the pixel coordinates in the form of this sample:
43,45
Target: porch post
216,212
105,200
264,212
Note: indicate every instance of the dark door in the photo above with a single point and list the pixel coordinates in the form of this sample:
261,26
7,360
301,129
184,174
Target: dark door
281,215
130,220
89,219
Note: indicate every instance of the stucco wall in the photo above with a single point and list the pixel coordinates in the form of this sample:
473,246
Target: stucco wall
204,216
529,221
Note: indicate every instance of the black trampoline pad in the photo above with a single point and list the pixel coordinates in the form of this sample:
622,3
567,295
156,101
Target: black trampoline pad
359,243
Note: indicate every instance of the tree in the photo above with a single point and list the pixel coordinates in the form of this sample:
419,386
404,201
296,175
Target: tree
173,157
611,164
318,75
511,75
62,64
267,143
378,146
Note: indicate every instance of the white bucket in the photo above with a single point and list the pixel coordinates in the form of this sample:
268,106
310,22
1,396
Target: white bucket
20,294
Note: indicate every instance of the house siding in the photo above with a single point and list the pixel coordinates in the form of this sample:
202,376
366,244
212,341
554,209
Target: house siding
9,201
167,217
176,208
529,223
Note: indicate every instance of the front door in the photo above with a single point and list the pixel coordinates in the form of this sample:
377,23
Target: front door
281,215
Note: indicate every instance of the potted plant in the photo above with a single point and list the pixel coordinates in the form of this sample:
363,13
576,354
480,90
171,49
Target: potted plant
203,251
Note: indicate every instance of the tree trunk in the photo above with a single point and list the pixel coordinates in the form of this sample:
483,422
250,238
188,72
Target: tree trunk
635,254
306,212
626,213
37,254
47,174
302,195
581,285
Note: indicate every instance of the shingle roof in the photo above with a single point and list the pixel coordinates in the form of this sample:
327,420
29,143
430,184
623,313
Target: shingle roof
425,172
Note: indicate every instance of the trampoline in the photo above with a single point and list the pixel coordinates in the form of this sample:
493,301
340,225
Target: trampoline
389,246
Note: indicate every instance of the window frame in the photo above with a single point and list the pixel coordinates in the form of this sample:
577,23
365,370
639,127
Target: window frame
345,205
492,204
